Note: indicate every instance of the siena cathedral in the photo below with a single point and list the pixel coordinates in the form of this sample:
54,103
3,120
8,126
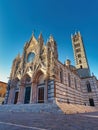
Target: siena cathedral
39,77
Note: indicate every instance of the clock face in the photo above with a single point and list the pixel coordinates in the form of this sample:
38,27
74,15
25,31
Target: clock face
30,57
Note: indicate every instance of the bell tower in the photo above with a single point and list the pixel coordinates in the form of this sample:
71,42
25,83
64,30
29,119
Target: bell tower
80,55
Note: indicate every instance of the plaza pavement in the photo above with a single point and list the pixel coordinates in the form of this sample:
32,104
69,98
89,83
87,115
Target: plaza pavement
48,121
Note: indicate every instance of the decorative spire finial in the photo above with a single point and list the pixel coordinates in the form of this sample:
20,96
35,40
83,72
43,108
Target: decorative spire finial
51,38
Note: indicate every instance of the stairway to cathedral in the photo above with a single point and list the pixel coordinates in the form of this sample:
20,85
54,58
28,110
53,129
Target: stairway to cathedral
58,107
75,108
41,107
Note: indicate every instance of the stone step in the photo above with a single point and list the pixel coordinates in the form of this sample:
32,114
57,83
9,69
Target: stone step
58,107
74,108
53,108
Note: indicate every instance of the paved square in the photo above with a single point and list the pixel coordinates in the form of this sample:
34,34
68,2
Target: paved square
47,121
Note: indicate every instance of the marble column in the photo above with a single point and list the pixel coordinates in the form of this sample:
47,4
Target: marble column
31,94
46,91
11,96
21,95
34,93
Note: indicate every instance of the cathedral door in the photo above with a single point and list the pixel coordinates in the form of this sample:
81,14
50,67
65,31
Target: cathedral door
27,95
41,95
16,97
91,101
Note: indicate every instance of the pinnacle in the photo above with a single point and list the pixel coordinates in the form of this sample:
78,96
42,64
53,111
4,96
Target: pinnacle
51,38
40,38
18,55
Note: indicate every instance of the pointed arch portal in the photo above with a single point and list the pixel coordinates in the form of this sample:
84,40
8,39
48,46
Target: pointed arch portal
39,79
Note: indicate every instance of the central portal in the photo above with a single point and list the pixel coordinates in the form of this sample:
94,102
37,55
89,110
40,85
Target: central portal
39,79
41,95
27,95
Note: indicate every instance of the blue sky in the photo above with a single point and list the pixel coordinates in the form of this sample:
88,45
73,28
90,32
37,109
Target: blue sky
61,18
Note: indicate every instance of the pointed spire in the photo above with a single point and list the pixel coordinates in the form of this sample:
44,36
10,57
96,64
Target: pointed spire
33,33
51,38
75,33
18,56
40,38
32,37
79,33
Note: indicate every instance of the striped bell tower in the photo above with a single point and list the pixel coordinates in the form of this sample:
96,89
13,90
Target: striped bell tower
81,61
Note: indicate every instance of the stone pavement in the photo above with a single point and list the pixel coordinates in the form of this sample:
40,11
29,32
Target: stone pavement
48,121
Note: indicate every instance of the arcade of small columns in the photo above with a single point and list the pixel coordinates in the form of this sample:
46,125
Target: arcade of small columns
20,86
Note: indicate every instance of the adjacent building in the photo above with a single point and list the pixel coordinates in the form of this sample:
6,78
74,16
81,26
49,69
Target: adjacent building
3,86
39,77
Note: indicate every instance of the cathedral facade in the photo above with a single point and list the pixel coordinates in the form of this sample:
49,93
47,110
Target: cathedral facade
39,77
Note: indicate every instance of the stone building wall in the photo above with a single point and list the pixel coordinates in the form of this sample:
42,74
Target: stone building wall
68,93
3,86
90,94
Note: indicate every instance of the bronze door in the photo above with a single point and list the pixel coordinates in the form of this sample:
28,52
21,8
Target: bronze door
27,95
41,95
